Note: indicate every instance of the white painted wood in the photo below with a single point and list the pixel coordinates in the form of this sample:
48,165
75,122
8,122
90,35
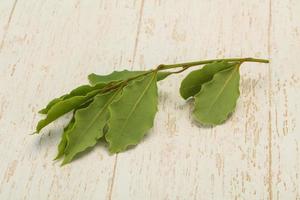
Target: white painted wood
285,109
180,160
50,46
64,41
6,11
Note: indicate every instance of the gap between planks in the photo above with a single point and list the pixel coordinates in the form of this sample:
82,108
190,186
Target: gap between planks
8,24
270,181
110,191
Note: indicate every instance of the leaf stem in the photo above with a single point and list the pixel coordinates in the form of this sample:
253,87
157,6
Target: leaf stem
124,82
184,67
202,62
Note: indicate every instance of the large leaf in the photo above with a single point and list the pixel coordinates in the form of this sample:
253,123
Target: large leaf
193,82
79,91
63,107
132,115
121,75
89,124
217,98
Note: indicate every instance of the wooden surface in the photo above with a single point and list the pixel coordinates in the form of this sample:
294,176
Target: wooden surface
48,47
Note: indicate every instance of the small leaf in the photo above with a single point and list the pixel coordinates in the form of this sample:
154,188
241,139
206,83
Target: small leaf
79,91
121,75
65,106
51,103
64,141
193,82
217,98
132,115
89,124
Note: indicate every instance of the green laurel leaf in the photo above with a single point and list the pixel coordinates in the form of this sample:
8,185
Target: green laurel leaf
193,82
62,107
120,75
132,115
89,124
51,103
79,91
64,138
218,97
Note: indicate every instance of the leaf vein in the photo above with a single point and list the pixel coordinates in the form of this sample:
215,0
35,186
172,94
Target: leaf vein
222,89
137,103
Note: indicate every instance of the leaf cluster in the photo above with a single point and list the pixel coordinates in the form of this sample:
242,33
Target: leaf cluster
120,107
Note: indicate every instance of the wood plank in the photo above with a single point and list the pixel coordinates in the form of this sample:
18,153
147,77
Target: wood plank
285,71
178,159
7,9
50,48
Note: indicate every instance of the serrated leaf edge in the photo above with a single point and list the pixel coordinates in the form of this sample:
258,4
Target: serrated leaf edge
102,110
44,122
203,89
182,87
136,141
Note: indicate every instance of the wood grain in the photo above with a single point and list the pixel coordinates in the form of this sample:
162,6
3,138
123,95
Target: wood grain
7,9
49,47
285,84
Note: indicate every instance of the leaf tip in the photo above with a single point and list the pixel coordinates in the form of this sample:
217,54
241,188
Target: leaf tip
65,162
43,112
58,156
